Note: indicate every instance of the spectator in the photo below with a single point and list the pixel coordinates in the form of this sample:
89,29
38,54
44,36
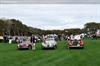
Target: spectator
32,40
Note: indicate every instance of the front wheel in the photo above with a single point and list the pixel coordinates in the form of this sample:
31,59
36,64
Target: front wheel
55,46
30,47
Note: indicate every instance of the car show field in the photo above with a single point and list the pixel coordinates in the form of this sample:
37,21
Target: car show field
62,56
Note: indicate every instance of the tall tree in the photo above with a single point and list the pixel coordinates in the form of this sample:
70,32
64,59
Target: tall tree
91,27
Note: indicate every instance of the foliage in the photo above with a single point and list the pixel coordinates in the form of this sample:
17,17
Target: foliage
91,27
16,27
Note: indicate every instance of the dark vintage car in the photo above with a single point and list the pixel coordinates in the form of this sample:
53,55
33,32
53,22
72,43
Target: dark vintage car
25,45
75,44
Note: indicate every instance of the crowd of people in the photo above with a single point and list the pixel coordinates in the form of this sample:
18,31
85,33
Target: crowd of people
34,38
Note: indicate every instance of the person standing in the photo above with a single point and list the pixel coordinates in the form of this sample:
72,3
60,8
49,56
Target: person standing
32,40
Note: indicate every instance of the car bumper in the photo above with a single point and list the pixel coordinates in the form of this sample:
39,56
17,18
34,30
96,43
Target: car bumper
75,46
48,46
20,47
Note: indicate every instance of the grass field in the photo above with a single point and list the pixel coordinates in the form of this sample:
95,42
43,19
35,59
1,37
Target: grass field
89,56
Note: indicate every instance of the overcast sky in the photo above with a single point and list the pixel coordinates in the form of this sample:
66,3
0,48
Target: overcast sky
50,1
52,16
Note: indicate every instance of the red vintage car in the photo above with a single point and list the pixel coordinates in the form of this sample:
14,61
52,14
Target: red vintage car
75,44
25,45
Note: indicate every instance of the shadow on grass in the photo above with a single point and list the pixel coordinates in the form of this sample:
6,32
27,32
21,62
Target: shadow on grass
48,48
76,48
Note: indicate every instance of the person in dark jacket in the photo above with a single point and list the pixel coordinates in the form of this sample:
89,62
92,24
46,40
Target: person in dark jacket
33,40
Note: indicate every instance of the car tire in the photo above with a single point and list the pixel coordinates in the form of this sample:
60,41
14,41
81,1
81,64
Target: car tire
82,47
18,48
30,47
43,48
55,46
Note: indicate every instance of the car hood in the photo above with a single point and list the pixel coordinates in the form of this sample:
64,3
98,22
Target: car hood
24,43
50,41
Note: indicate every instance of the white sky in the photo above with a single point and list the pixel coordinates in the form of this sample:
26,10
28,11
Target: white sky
52,16
51,1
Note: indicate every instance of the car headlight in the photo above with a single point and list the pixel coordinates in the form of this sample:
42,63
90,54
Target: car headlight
26,44
18,45
78,44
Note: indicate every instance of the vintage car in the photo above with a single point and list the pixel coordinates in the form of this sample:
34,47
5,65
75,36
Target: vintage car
49,43
75,44
25,45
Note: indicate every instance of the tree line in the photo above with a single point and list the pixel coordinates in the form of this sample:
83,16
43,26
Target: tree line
16,27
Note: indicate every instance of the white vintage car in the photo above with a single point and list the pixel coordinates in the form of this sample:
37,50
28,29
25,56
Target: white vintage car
49,43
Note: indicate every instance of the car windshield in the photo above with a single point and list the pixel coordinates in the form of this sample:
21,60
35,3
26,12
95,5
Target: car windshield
25,41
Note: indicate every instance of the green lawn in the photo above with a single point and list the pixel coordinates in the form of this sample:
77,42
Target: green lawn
89,56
